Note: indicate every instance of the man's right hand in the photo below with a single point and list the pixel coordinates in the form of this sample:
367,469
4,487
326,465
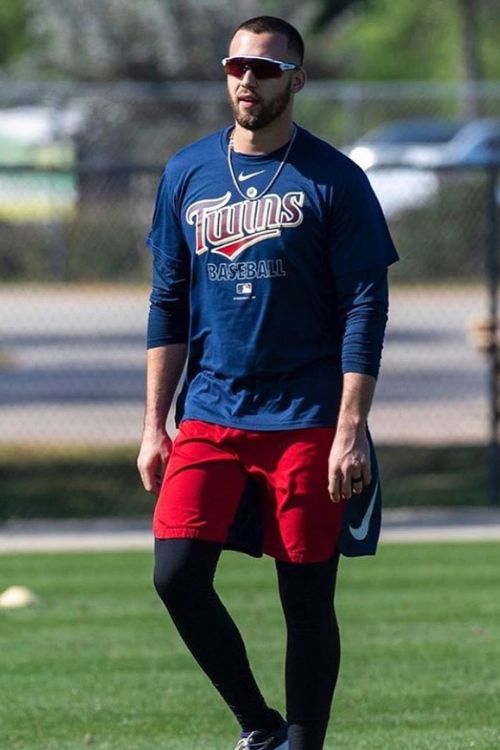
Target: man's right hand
153,457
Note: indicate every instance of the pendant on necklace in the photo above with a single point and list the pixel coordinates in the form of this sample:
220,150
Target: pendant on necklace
252,193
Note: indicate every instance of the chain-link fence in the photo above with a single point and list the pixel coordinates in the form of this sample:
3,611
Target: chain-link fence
74,298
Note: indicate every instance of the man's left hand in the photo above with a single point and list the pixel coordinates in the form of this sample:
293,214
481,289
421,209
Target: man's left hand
349,467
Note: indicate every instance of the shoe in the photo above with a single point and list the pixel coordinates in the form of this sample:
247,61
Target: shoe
260,739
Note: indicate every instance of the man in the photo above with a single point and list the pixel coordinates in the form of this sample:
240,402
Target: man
270,258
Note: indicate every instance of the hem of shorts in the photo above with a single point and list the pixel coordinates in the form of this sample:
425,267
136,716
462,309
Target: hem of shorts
181,533
262,426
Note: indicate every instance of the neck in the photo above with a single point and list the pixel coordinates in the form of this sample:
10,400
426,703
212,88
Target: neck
262,141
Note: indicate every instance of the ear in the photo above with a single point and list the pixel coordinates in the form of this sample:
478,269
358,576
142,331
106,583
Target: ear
299,81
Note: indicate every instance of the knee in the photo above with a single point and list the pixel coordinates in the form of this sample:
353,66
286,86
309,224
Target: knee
171,583
307,595
180,574
164,581
307,612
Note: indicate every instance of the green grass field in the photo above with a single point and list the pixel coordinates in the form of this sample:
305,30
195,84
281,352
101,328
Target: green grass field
98,665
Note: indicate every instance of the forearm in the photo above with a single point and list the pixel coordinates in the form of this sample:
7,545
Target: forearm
349,463
357,396
165,365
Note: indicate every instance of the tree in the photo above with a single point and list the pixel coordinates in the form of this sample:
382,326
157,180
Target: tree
103,41
329,10
470,53
13,37
151,40
454,30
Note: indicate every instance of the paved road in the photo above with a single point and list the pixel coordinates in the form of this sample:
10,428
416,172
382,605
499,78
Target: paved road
399,526
72,366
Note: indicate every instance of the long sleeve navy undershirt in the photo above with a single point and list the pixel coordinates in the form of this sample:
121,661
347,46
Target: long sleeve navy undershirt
168,321
363,303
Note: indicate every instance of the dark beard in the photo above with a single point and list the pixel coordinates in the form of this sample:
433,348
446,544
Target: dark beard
267,113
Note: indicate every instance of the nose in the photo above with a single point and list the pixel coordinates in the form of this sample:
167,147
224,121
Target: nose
248,77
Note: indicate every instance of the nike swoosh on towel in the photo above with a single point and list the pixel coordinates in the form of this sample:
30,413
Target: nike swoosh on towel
361,532
242,177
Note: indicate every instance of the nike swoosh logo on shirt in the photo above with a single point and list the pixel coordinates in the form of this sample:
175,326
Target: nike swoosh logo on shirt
242,177
362,530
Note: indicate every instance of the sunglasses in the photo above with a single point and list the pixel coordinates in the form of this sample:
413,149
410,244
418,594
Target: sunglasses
261,67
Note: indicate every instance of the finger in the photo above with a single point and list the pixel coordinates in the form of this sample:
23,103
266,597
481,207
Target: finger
357,480
331,481
142,473
148,476
147,482
347,486
335,488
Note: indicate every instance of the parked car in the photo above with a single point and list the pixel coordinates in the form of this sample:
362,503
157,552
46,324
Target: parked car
382,150
477,143
390,143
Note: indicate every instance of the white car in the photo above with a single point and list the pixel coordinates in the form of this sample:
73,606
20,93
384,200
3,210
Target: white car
477,143
391,143
384,153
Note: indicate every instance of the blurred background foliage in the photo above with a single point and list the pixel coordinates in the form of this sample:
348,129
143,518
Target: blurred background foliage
159,40
156,46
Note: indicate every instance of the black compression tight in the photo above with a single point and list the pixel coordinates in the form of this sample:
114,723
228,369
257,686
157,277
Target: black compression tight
307,593
184,574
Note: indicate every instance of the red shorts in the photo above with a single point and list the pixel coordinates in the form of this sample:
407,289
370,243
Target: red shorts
207,471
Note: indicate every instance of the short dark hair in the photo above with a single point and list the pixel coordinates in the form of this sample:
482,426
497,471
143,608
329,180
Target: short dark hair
261,24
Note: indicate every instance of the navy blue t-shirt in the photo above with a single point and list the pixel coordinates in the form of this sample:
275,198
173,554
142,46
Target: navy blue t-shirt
257,285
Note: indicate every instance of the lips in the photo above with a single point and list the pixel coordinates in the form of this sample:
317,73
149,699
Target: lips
248,99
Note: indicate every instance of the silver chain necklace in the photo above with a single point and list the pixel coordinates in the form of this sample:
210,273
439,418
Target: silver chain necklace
252,192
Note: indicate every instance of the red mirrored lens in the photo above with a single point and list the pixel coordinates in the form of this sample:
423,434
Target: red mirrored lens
260,68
